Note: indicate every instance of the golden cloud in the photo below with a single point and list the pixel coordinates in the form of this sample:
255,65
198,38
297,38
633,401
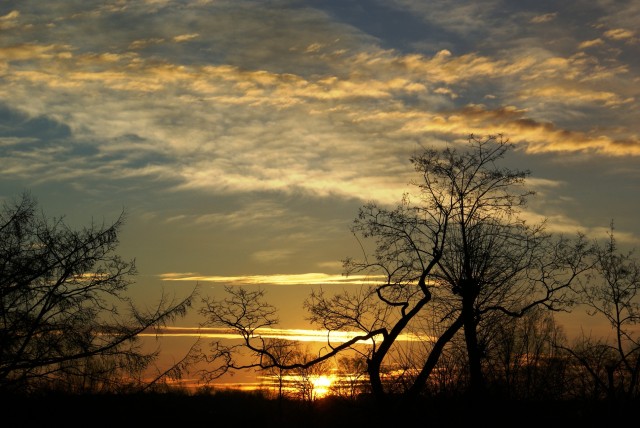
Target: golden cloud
536,136
185,37
298,335
575,95
10,20
590,43
27,51
140,44
619,34
287,279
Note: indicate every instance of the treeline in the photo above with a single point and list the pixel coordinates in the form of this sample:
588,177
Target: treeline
454,266
457,267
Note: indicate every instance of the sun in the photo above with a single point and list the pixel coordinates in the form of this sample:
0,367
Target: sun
321,385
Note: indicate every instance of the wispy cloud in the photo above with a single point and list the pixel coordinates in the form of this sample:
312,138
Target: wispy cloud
263,108
590,43
285,279
547,17
619,34
286,109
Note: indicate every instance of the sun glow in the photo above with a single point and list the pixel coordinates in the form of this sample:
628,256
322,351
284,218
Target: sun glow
321,385
298,335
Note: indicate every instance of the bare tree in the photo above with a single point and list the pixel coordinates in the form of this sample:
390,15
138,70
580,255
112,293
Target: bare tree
305,379
461,247
64,314
248,314
524,357
352,379
285,352
612,292
447,259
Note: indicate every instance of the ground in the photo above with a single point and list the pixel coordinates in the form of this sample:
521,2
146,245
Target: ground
249,410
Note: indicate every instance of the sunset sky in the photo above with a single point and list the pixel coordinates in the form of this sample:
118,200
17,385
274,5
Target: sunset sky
241,137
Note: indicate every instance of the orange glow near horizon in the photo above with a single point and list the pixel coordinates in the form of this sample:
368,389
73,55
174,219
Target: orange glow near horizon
282,279
299,335
322,385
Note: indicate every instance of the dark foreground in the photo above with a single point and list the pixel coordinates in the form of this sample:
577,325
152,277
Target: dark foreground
234,409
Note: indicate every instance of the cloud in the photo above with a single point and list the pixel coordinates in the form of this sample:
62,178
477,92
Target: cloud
460,17
272,256
285,279
31,51
229,126
305,103
574,95
141,44
14,14
257,212
535,136
298,335
619,34
10,20
185,37
591,43
541,19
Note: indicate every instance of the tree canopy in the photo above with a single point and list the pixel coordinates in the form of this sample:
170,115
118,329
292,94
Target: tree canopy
455,265
64,311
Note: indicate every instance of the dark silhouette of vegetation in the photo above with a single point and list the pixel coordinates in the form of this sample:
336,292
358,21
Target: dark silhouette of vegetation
459,258
456,323
65,320
243,409
612,292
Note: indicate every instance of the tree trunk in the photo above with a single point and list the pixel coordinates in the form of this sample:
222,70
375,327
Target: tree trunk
476,381
433,358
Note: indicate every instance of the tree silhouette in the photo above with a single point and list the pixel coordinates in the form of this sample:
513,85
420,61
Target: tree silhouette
62,296
612,292
462,248
525,359
454,257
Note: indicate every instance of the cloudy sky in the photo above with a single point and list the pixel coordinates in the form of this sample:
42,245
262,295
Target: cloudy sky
241,137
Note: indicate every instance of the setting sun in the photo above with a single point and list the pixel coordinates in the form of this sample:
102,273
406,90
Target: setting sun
322,385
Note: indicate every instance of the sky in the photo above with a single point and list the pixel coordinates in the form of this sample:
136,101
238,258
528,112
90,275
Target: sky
241,137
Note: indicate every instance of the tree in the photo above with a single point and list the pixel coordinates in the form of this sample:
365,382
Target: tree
612,291
248,314
463,249
352,377
285,351
306,379
525,358
443,261
64,314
